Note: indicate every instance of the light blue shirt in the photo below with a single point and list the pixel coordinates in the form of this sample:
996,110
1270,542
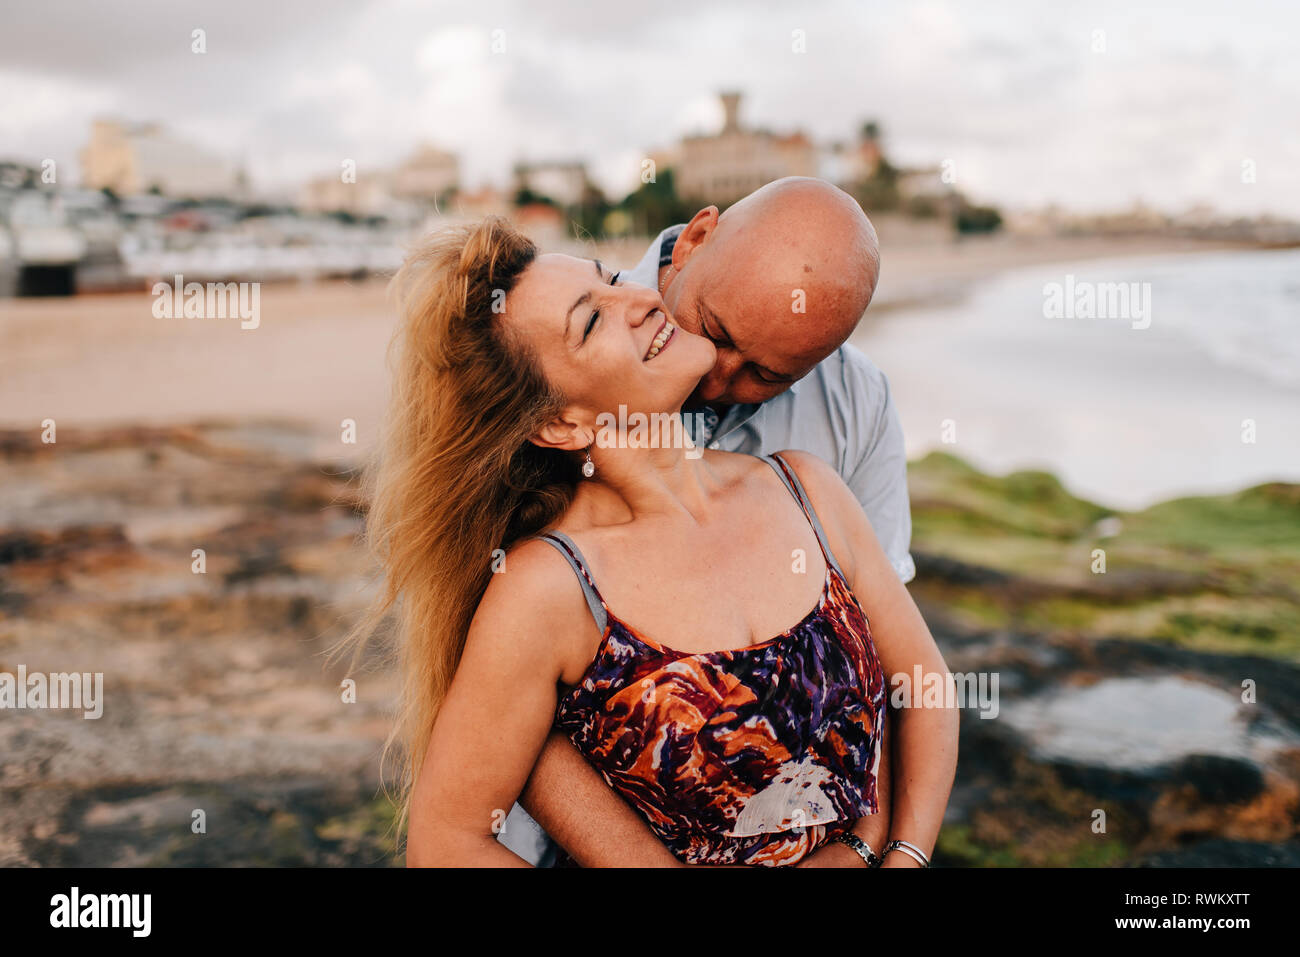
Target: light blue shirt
843,413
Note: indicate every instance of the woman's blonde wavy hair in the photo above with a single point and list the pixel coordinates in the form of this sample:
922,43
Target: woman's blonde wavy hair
454,476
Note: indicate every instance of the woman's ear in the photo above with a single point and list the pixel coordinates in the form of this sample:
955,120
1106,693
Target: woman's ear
563,432
696,233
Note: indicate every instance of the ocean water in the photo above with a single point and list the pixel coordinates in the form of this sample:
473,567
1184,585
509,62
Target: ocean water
1141,723
1187,382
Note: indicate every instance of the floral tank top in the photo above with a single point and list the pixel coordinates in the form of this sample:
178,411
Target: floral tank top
757,755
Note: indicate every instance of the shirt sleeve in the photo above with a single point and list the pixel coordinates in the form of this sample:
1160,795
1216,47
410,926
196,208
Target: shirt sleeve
526,838
878,477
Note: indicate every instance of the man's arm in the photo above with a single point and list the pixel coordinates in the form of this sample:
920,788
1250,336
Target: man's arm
877,470
578,810
585,816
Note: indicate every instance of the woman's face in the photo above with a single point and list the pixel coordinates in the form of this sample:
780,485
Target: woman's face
602,343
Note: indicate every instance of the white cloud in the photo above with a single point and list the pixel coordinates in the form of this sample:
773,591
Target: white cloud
1013,93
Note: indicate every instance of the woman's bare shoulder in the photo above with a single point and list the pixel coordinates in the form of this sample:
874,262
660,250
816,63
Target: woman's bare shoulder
737,466
534,604
838,510
528,580
812,469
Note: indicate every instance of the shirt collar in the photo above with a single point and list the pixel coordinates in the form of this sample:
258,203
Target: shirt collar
746,410
646,271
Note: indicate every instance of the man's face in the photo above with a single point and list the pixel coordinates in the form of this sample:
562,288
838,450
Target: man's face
751,311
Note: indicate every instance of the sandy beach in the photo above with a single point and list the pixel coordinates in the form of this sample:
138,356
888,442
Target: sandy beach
318,355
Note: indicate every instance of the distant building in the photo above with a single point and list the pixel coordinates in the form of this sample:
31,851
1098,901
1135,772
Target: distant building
564,182
420,183
847,164
15,175
485,201
669,157
730,164
134,158
543,224
924,183
369,195
429,174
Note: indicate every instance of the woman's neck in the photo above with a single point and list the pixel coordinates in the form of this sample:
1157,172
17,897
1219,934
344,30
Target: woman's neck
634,483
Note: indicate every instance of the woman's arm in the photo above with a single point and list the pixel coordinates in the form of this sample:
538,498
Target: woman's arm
925,739
872,828
497,713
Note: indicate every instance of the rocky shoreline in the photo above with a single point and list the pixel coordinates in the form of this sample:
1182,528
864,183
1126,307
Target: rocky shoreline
219,698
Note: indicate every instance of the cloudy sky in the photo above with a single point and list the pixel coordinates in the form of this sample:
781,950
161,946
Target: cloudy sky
1016,94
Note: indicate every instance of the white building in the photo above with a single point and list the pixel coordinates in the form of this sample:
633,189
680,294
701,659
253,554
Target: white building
134,158
428,174
725,166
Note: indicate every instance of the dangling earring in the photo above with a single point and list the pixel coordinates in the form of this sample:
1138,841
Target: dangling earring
588,467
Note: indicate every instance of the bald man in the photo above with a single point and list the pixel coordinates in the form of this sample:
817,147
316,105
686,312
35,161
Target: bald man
778,282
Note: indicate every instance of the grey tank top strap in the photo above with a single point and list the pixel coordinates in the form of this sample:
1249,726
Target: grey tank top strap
795,488
566,547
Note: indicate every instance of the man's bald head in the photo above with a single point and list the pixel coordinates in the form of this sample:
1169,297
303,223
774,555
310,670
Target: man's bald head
811,229
778,281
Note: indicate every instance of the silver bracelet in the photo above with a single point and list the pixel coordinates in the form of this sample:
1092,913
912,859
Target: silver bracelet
911,850
859,847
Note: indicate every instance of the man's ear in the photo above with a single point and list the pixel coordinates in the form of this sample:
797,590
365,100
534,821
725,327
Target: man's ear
563,432
695,235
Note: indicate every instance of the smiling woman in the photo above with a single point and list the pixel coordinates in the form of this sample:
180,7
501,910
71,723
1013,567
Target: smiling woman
510,363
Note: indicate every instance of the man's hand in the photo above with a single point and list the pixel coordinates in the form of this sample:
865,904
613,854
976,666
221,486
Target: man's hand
834,854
